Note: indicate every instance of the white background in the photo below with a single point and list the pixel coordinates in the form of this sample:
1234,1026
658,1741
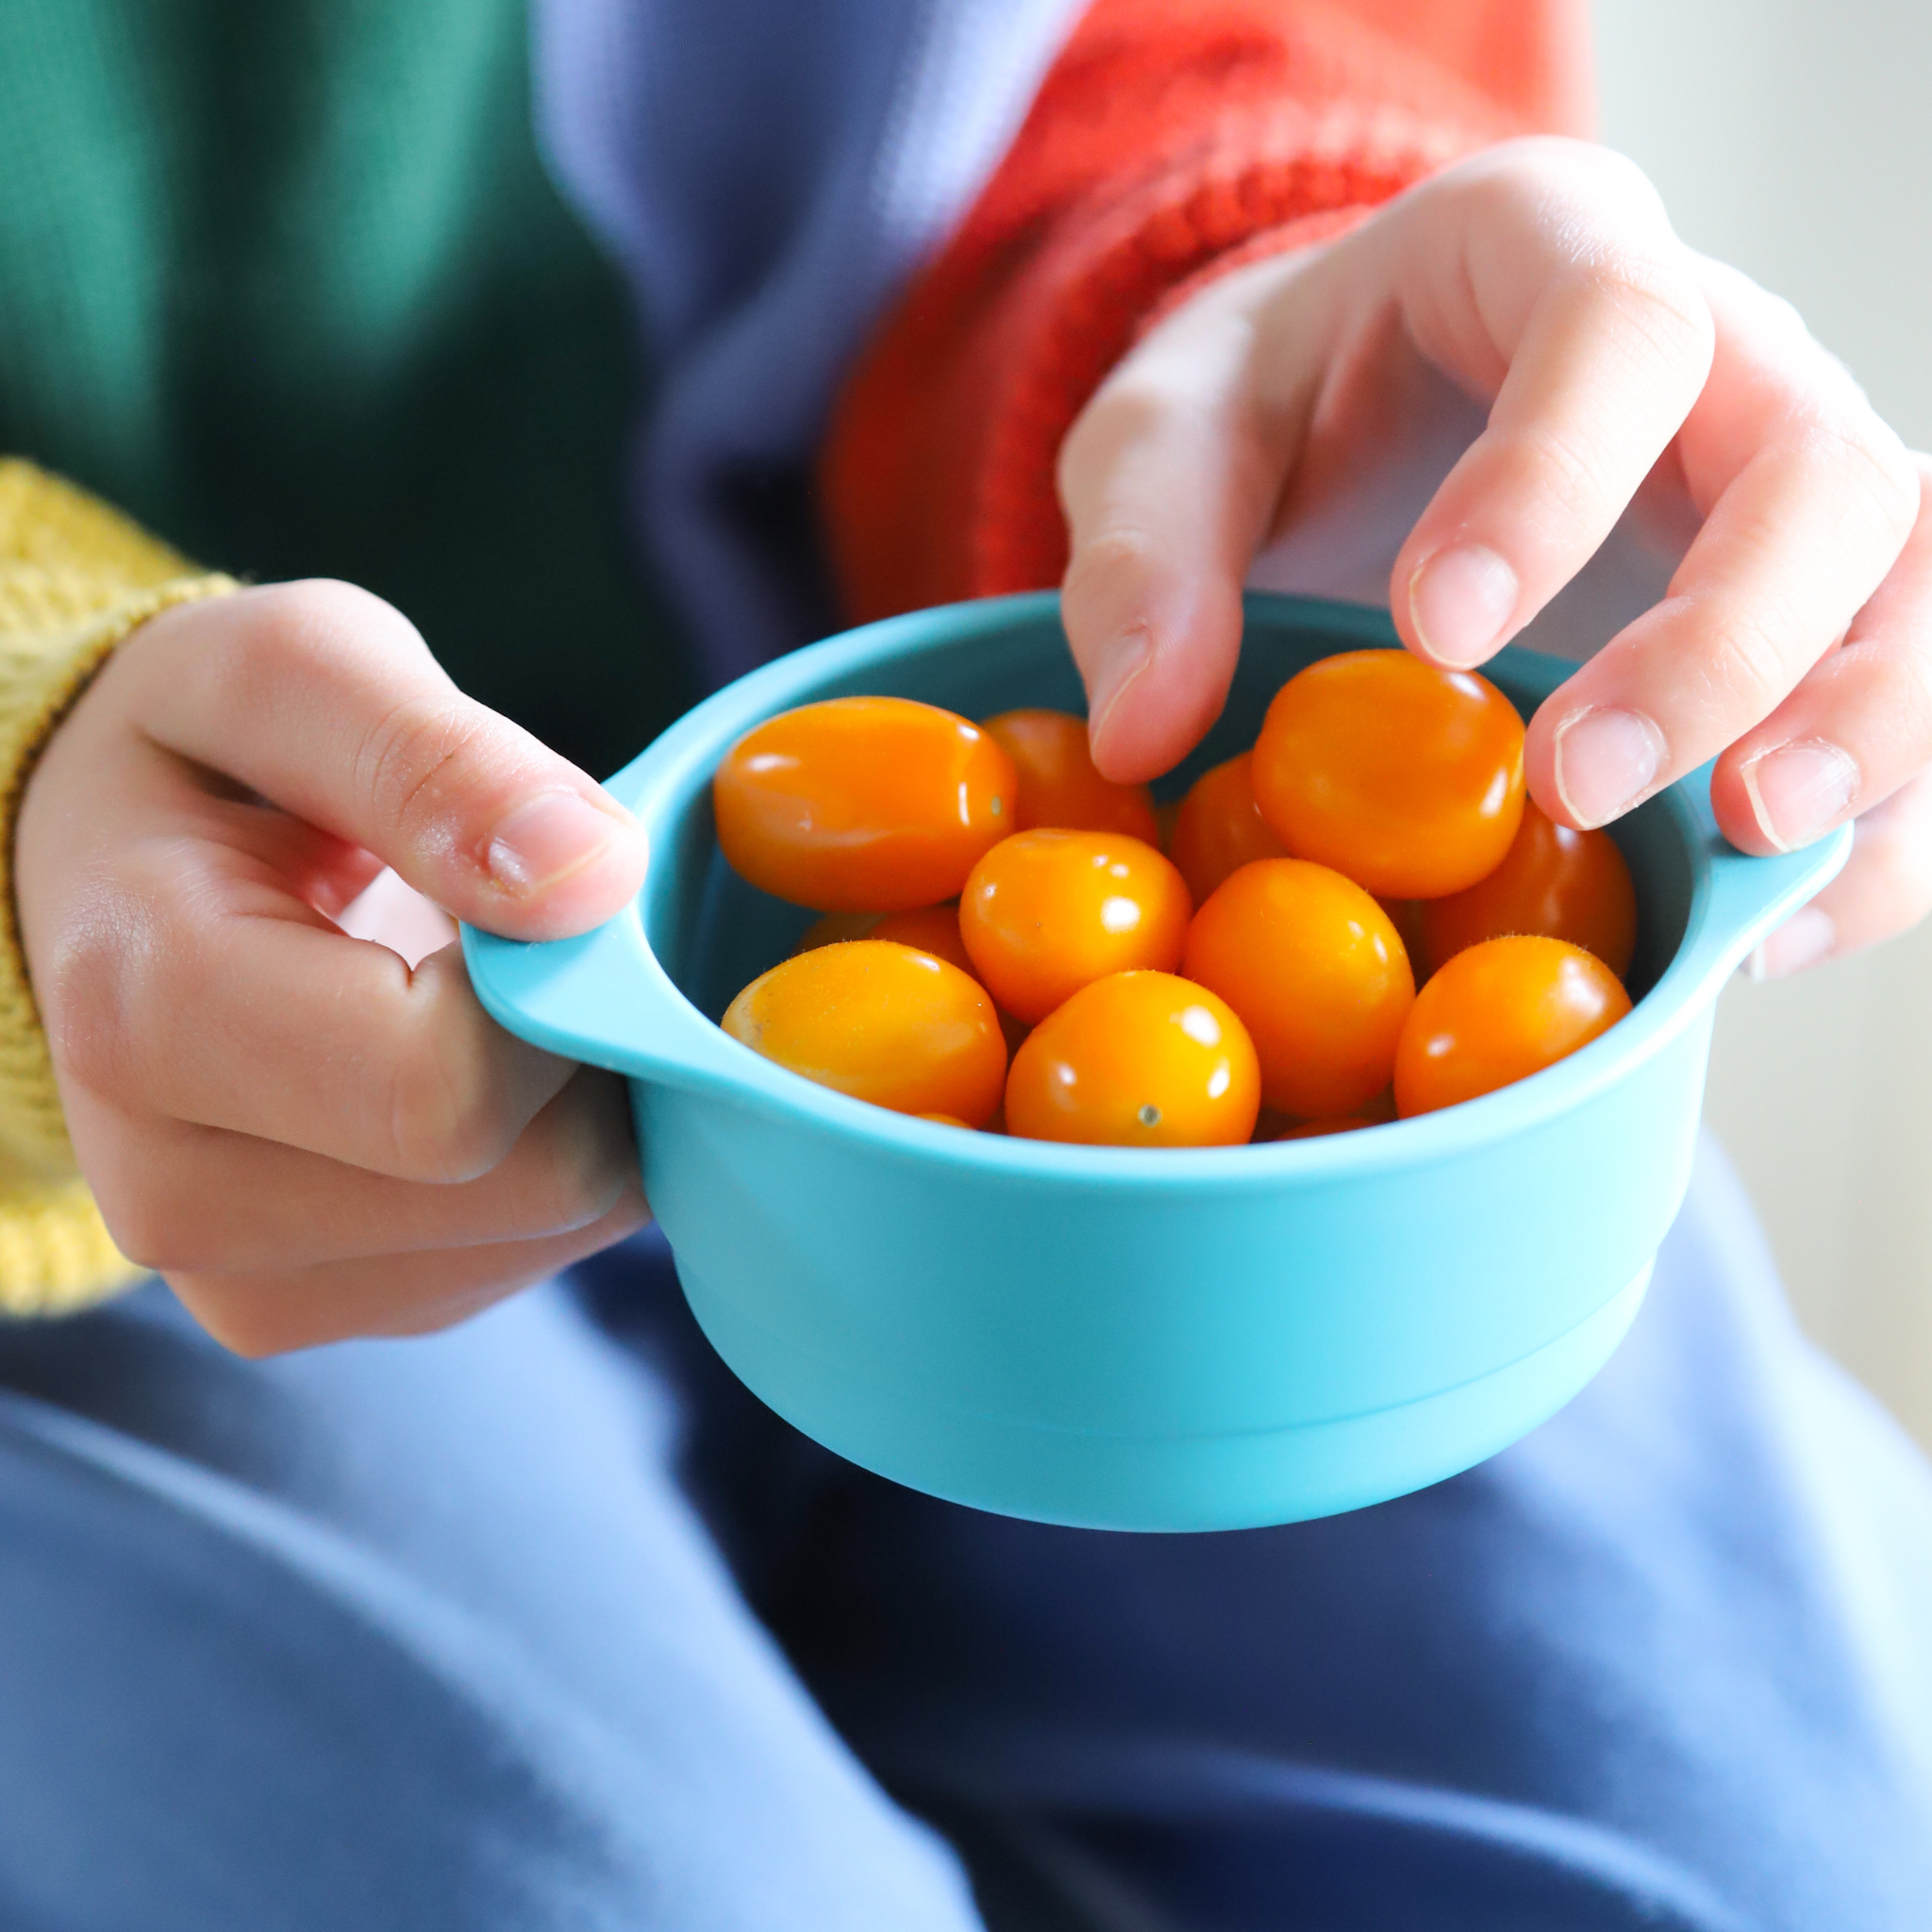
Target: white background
1794,140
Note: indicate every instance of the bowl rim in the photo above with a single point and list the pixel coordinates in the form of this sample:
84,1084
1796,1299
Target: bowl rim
605,998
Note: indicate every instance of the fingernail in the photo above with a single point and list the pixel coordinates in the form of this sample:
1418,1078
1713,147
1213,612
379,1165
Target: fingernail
1459,601
547,838
1806,937
1798,790
1605,759
1124,658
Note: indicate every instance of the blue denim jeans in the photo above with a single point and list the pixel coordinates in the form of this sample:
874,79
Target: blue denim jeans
546,1622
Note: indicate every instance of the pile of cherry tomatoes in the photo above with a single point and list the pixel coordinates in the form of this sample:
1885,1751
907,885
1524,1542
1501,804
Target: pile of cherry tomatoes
1007,945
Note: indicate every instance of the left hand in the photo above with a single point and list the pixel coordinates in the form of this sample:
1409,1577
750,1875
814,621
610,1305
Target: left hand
1794,642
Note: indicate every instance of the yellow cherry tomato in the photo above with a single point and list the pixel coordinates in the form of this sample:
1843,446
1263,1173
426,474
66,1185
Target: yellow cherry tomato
1047,912
882,1022
1405,779
1137,1060
1562,884
1058,782
1318,975
1497,1013
862,805
1220,828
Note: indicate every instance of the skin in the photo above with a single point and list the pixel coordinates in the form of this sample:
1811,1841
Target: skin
309,1135
316,1132
1542,280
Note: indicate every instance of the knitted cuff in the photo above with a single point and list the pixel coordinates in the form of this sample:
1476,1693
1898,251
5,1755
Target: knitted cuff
76,577
939,472
44,667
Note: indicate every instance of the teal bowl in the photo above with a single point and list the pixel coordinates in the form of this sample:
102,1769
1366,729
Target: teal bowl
1153,1340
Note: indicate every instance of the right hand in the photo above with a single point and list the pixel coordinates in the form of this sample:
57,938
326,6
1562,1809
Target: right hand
310,1136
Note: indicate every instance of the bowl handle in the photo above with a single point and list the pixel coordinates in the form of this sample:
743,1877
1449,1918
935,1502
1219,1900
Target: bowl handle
1744,899
603,998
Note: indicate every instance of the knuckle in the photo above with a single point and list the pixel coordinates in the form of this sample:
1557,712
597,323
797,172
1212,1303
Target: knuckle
319,633
1121,548
104,976
1659,301
1747,671
152,1226
1873,469
449,1119
413,759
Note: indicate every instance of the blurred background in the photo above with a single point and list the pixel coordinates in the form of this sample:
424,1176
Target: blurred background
1793,139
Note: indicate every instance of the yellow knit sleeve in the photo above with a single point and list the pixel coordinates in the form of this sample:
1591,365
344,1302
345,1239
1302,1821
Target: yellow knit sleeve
76,577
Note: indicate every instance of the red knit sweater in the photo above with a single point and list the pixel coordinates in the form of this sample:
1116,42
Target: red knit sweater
1171,140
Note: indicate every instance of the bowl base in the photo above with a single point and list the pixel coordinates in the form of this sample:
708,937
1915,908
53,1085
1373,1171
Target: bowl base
1085,1479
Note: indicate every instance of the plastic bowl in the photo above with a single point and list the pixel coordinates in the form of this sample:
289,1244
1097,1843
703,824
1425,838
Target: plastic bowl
1193,1338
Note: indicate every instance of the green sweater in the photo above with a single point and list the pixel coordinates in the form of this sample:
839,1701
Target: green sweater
286,280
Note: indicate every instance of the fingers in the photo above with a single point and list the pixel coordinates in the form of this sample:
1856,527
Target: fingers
325,701
1857,728
273,1312
1884,888
1810,499
1544,273
299,1034
1169,481
181,1199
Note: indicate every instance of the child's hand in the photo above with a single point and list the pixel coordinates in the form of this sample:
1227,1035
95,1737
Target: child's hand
1542,279
307,1137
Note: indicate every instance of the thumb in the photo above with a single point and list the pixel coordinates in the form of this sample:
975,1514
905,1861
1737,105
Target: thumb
1169,480
326,702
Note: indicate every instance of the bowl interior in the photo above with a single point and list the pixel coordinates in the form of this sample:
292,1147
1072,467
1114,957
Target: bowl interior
715,933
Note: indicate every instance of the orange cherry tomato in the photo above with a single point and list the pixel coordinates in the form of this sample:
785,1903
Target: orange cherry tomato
862,805
1405,916
1137,1060
1059,784
1047,912
834,929
1318,975
1282,1127
1406,778
1220,829
1499,1011
881,1022
933,929
1562,884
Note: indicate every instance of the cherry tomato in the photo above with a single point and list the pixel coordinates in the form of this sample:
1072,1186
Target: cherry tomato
834,929
1562,884
1405,916
1499,1011
1318,975
933,929
1058,783
1137,1060
946,1120
1047,912
1282,1127
881,1022
1406,778
862,805
1220,829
